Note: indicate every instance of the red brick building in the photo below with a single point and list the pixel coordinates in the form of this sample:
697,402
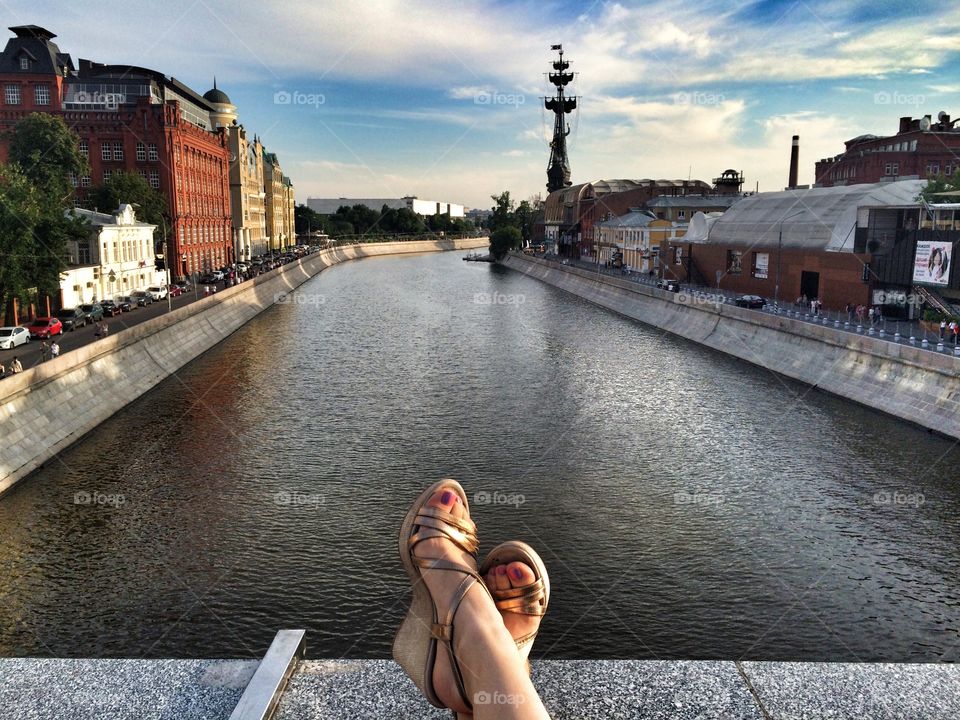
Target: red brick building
135,120
835,244
922,147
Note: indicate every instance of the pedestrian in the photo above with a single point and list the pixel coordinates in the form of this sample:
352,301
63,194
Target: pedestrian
3,371
103,328
870,314
54,350
44,351
849,312
943,328
15,366
956,333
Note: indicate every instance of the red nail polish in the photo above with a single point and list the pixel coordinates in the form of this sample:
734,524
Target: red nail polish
501,570
516,573
447,497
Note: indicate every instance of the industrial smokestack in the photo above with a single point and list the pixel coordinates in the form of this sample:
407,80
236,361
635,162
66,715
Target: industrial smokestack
794,161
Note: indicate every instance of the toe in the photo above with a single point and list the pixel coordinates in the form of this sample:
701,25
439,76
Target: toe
447,500
520,575
502,581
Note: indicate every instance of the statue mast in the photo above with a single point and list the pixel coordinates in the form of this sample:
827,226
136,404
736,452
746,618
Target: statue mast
558,171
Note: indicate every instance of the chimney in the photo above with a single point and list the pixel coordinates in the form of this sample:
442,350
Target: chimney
794,161
905,123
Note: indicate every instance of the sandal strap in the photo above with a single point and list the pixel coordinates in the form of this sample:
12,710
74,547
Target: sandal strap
436,523
444,631
529,600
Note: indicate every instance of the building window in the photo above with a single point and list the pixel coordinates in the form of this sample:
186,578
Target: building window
41,94
734,259
152,151
933,169
141,152
155,179
85,148
85,181
73,178
106,176
681,214
118,151
896,168
142,173
105,153
11,94
24,62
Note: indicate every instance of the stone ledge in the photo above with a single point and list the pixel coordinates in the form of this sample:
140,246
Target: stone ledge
38,689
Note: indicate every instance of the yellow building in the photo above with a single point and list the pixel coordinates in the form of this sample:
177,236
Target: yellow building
279,204
638,235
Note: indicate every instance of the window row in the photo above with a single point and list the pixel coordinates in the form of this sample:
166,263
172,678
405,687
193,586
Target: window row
12,95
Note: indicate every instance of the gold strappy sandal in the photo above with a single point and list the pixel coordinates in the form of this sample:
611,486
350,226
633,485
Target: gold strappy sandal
530,600
415,646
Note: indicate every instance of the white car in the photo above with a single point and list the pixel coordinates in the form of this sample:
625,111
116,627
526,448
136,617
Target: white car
157,292
10,337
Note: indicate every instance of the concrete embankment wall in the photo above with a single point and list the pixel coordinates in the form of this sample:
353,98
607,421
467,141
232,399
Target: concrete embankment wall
916,385
51,406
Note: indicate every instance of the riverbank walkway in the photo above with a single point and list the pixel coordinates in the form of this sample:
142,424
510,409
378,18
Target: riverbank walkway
285,686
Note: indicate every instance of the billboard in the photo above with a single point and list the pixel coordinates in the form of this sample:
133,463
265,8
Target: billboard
932,262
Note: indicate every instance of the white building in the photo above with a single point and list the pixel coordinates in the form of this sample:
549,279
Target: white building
116,259
329,206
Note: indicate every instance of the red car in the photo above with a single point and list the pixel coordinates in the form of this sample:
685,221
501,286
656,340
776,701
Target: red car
175,291
45,327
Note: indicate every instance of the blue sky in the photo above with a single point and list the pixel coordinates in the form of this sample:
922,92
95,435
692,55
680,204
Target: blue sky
442,99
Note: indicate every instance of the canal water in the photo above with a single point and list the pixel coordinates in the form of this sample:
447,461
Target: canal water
688,505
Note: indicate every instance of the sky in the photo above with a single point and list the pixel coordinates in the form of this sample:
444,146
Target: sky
443,100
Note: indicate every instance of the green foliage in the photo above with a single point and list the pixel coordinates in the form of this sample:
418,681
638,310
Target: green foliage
306,220
19,216
124,187
371,224
503,240
47,151
938,184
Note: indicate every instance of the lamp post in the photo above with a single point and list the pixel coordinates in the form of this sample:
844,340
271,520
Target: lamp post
776,290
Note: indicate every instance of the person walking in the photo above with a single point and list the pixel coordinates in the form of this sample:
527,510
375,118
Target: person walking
943,329
15,367
956,333
849,312
44,351
54,350
3,371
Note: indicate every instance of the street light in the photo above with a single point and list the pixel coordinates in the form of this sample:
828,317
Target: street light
776,290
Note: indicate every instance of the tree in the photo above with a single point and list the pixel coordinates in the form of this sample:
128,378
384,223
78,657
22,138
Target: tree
503,215
123,187
48,153
938,184
19,215
503,240
307,220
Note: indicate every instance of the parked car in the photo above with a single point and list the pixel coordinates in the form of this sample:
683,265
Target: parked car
217,275
110,308
183,285
93,311
125,303
45,327
176,291
750,301
157,292
669,285
10,337
72,318
141,297
208,279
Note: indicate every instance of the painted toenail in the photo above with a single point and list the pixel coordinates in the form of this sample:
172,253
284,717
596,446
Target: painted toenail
516,573
447,497
501,570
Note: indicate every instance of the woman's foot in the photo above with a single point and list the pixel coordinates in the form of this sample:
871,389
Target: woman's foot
476,617
505,577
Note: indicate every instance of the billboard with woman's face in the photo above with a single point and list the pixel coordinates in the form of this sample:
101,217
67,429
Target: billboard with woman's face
932,263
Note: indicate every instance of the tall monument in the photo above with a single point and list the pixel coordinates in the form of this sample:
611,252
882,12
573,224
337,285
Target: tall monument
558,171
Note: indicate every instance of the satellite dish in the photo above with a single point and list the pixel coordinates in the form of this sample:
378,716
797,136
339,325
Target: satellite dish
924,123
